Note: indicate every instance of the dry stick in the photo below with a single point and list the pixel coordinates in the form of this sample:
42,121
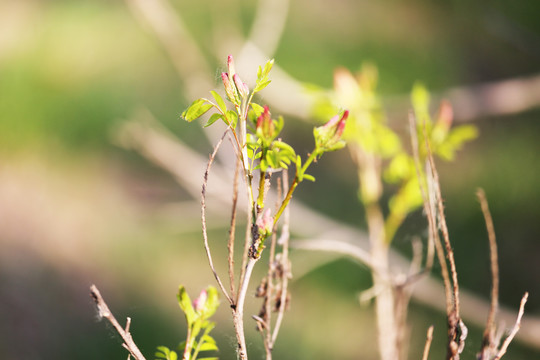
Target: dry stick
104,312
444,230
515,329
232,229
203,218
488,342
416,156
426,196
455,344
429,338
455,339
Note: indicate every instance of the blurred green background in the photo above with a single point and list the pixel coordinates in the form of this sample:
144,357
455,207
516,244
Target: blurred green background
76,208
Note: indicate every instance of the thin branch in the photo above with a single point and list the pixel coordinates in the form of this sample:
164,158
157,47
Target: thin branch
285,263
444,229
427,346
232,228
104,312
488,341
203,218
515,329
427,196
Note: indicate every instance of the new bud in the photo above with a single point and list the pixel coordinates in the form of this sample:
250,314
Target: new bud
328,136
200,302
242,87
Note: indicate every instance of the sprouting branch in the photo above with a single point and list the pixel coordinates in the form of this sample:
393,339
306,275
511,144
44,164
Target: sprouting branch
104,312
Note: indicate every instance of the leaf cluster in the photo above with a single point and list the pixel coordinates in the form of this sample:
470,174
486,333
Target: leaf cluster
197,316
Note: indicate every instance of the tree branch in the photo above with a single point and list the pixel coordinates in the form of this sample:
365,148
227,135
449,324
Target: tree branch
104,312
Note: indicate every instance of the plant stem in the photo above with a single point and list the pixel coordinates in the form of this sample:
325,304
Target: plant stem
238,311
296,181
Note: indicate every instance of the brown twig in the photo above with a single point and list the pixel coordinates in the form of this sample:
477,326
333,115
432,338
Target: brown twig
232,228
488,344
457,331
104,312
515,329
203,218
429,338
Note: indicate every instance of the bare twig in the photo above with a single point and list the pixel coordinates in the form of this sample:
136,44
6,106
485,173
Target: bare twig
232,228
104,312
425,194
457,331
285,263
203,218
428,196
488,344
429,338
515,329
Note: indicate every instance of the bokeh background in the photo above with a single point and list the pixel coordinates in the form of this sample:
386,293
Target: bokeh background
80,204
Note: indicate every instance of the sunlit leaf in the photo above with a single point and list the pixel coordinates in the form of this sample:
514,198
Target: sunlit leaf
185,304
215,117
219,101
196,110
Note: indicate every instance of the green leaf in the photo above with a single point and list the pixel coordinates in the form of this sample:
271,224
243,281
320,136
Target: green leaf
196,110
186,305
400,167
181,347
257,109
262,76
209,358
262,85
219,101
215,117
212,302
164,353
232,118
284,148
208,346
309,177
454,141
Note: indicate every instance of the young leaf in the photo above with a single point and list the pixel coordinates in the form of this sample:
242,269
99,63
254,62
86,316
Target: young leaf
309,177
219,101
261,85
212,302
185,304
196,110
215,117
257,109
232,118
